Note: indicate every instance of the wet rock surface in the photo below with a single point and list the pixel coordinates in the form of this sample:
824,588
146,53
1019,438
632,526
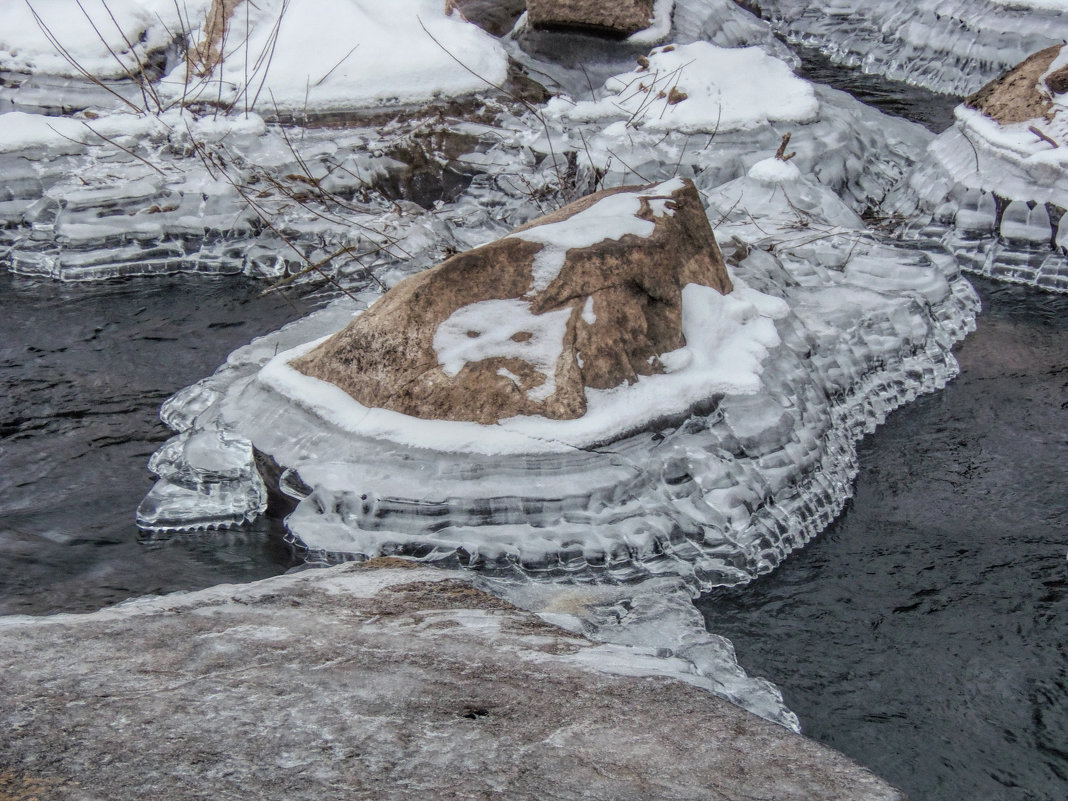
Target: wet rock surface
378,684
543,320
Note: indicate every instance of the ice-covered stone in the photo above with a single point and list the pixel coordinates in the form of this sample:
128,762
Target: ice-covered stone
353,682
993,189
717,495
952,46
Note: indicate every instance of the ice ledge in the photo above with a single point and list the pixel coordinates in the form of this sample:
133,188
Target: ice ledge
369,682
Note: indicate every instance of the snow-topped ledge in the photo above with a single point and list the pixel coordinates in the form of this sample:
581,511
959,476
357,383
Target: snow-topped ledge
368,54
994,187
728,337
307,56
104,38
699,87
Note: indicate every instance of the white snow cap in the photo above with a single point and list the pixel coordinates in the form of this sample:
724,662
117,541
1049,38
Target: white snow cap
774,171
106,38
726,89
486,329
612,217
341,54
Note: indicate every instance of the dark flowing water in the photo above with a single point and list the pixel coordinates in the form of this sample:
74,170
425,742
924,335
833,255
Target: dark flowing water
925,633
83,371
932,110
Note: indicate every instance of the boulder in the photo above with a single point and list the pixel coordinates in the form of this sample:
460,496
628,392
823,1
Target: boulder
621,18
588,296
382,684
1024,92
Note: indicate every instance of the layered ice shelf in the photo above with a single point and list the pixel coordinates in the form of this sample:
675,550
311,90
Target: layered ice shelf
717,493
993,189
952,46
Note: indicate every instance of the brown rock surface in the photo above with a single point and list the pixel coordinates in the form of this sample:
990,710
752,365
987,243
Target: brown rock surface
1015,96
611,309
622,17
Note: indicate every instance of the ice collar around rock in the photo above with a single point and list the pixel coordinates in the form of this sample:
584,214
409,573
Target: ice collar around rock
699,87
593,321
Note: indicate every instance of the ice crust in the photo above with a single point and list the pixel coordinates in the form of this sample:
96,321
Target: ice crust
117,194
715,496
76,206
995,197
951,46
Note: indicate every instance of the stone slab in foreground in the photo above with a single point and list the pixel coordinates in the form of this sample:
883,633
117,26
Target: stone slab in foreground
355,683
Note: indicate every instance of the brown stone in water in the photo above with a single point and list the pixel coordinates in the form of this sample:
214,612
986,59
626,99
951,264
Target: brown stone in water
386,356
1015,96
620,17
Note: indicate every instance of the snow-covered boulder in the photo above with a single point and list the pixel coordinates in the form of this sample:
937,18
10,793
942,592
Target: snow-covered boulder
285,56
314,56
714,471
699,88
994,187
590,296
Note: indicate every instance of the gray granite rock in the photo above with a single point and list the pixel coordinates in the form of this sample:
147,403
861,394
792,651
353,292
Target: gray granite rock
386,684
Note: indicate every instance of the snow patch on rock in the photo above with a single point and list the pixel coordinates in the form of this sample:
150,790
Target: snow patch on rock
700,87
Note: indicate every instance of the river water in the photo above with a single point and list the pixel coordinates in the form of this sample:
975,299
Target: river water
924,633
83,371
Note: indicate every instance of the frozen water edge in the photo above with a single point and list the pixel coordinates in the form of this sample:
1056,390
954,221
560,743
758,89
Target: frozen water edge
995,197
76,206
949,46
717,497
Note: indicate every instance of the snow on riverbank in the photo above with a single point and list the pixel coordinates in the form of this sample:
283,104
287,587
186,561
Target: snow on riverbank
370,54
699,87
104,38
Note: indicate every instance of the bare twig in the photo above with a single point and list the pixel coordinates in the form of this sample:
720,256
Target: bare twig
526,104
339,63
73,61
781,153
1042,136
